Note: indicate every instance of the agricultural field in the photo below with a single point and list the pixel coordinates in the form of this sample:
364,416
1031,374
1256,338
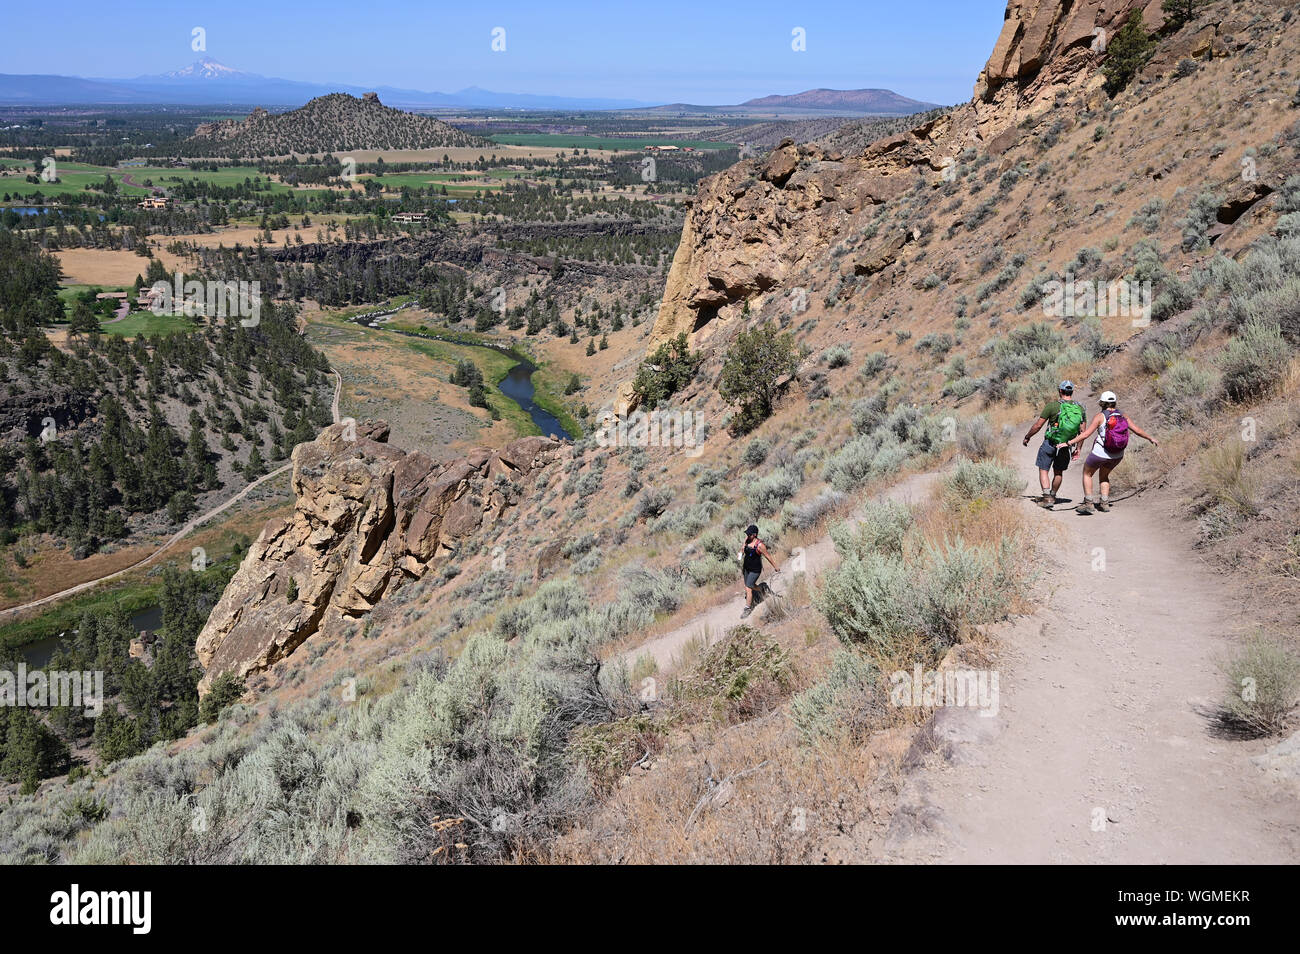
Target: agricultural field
603,143
135,181
456,185
74,179
147,323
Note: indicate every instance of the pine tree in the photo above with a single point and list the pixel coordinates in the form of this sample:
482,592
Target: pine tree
255,467
1127,53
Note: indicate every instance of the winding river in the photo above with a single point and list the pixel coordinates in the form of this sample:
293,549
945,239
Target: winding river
517,385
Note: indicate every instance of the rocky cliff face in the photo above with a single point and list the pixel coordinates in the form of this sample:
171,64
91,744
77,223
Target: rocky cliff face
230,128
757,223
1045,43
367,518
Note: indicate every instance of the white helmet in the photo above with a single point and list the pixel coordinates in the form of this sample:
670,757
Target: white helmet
1108,397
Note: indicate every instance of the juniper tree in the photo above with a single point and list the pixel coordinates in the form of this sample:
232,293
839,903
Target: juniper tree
1127,53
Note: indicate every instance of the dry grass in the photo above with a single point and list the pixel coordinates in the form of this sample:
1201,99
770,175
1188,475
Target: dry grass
734,783
750,795
1226,478
99,266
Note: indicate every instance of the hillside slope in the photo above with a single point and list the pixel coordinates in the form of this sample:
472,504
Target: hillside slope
539,690
333,123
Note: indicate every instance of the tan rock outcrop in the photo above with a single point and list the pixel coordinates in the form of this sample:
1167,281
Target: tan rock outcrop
367,517
755,224
1047,43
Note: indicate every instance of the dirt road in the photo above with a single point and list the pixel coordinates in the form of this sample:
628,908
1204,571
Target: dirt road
1103,749
179,535
171,541
128,179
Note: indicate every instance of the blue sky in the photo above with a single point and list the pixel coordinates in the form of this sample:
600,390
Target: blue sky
707,51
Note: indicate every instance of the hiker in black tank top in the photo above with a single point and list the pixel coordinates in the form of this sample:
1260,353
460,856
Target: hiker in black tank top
751,565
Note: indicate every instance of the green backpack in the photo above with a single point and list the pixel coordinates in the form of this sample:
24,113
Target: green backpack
1069,422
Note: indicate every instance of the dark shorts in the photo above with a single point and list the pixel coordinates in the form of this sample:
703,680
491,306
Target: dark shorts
1049,458
751,578
1097,463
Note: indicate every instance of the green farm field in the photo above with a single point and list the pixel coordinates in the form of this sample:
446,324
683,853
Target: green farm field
74,177
147,323
619,144
456,185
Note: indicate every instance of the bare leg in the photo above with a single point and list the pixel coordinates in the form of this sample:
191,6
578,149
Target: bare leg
1087,481
1056,482
749,596
1043,477
1104,480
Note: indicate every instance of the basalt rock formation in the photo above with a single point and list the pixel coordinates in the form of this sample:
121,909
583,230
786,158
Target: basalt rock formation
753,225
367,518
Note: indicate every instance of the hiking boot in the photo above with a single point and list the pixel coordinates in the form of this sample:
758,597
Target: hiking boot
1103,506
1085,507
1047,501
746,612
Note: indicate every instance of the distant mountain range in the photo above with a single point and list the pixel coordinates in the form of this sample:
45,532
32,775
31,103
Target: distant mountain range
838,102
210,83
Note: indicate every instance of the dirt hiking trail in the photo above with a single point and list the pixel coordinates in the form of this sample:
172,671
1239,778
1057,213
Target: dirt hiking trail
713,624
1103,749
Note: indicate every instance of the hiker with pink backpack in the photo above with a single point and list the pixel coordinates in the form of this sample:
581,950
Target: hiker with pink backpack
1112,428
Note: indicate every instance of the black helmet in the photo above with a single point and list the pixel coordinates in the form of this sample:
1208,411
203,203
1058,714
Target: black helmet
751,531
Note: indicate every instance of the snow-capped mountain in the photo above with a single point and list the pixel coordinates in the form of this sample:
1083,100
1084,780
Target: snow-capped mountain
206,68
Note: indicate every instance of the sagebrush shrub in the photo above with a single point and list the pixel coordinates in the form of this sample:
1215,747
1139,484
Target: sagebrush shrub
805,516
881,529
1262,682
837,356
652,503
1182,387
1201,215
848,701
976,438
876,362
756,452
987,479
766,494
963,585
1254,361
870,600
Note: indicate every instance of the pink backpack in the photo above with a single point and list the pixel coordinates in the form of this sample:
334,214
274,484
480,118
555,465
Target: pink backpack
1116,433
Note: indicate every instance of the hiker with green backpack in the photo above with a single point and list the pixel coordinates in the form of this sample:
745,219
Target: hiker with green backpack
1112,427
1064,420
